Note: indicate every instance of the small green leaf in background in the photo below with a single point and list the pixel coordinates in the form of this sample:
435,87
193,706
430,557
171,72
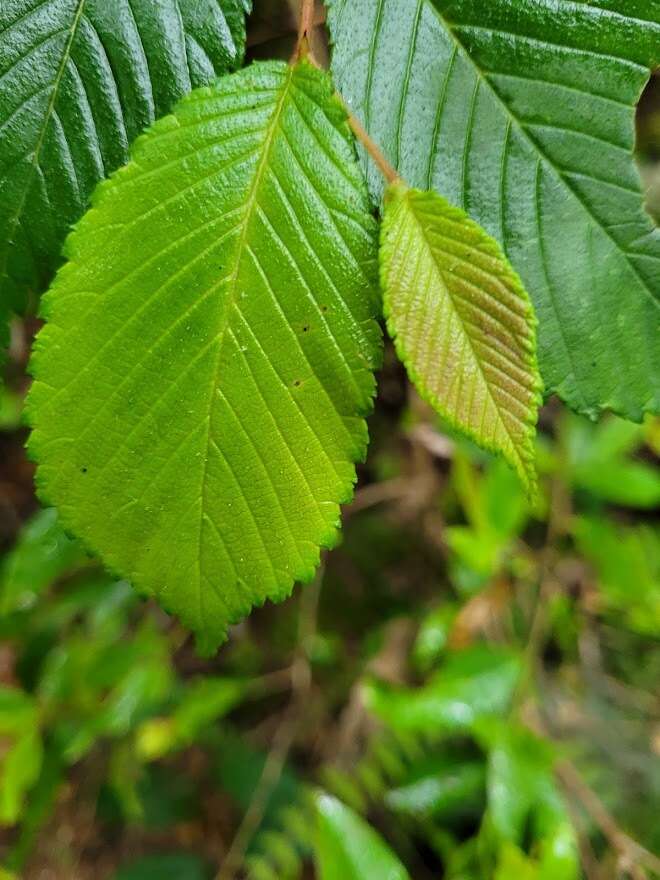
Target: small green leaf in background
347,848
559,857
462,323
107,683
42,554
601,462
199,400
497,512
627,564
433,635
79,80
513,863
443,787
21,753
523,799
473,683
203,701
11,403
519,775
523,115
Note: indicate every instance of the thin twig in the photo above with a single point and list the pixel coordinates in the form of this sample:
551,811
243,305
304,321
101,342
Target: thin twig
301,681
267,31
372,148
305,27
632,852
303,50
558,516
588,858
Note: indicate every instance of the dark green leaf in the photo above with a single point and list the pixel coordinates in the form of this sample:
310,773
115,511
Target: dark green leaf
177,866
523,115
79,79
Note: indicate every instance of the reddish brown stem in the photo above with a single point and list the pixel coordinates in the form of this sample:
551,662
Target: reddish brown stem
303,50
305,27
373,149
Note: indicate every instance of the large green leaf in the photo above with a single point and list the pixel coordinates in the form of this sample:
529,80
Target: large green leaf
462,323
523,115
202,381
79,79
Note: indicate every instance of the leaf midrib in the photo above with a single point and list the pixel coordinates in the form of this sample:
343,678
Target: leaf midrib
447,26
232,298
13,223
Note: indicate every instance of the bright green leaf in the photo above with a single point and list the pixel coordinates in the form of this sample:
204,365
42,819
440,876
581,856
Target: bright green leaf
523,115
473,683
200,397
523,797
627,562
559,857
22,751
514,863
441,787
520,767
203,701
79,79
349,849
43,553
462,323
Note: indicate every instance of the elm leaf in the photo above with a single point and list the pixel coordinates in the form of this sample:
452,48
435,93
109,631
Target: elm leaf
523,115
462,323
79,80
202,381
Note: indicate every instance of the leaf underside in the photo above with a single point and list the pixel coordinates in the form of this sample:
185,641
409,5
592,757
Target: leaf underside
523,115
79,80
462,323
202,381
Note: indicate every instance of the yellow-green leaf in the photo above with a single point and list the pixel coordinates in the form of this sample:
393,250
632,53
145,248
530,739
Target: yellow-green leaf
202,379
462,323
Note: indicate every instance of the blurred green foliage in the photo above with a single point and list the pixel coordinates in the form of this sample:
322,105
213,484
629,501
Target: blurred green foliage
465,643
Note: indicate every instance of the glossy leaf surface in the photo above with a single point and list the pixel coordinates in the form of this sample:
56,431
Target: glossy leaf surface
202,381
522,114
79,80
